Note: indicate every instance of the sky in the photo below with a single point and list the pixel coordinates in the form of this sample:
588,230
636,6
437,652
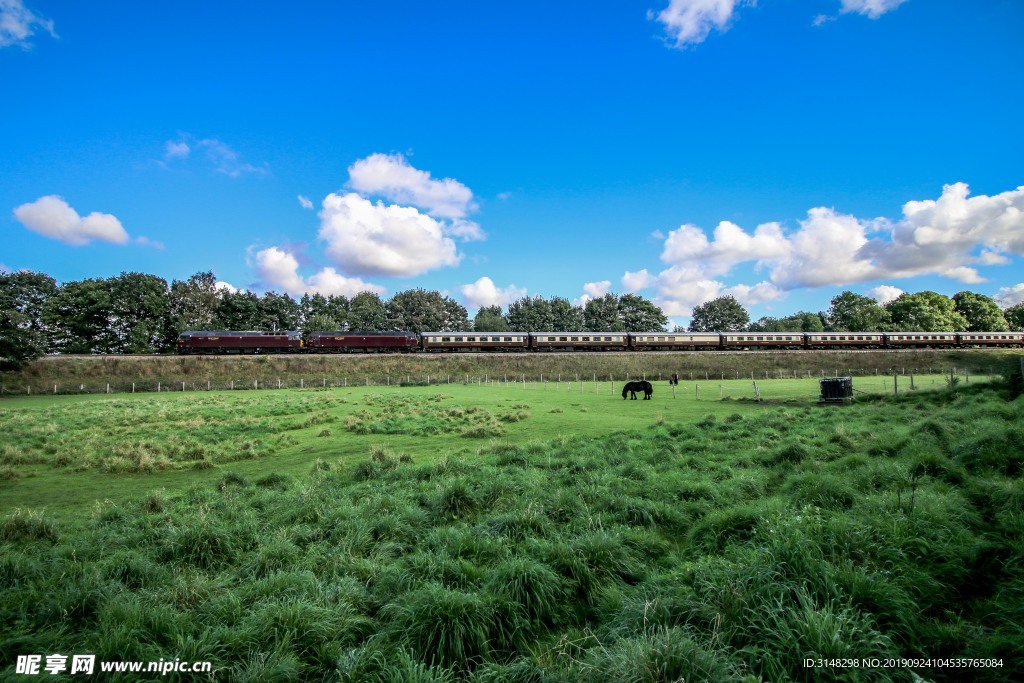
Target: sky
780,151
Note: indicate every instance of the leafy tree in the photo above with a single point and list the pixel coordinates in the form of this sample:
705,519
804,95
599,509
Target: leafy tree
602,314
925,312
852,312
418,310
564,316
530,314
319,323
981,312
366,312
456,317
192,304
490,319
333,307
23,334
237,311
724,314
277,312
79,317
138,307
637,314
803,321
1015,317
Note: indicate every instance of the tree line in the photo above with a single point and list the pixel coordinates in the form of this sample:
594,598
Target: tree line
140,313
851,312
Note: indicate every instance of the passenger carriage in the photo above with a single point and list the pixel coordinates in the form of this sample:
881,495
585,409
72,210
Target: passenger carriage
579,341
920,339
991,339
480,341
674,341
843,340
762,340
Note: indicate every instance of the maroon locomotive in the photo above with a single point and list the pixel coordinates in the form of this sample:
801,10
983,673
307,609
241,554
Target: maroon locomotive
361,342
225,341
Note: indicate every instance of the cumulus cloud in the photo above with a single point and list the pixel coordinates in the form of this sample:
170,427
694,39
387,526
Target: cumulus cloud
634,282
222,286
279,269
870,8
689,22
305,202
883,294
947,236
1010,296
597,289
484,292
52,217
391,176
383,239
18,24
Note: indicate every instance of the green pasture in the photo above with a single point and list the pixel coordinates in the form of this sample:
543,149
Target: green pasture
65,453
536,532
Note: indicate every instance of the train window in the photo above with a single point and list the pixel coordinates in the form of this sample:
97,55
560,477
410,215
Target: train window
585,338
575,338
444,339
471,339
458,339
607,338
563,339
508,338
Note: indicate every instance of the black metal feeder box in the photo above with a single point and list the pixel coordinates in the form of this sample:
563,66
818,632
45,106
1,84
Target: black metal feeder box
836,389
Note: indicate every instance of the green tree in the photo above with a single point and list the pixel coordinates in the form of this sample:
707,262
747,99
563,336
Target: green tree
564,316
456,317
490,319
852,312
23,334
602,314
417,310
138,313
981,313
192,304
319,322
724,314
78,316
333,307
277,312
925,312
1015,317
237,311
637,314
530,314
367,313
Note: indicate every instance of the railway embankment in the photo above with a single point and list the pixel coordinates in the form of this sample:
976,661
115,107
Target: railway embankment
70,374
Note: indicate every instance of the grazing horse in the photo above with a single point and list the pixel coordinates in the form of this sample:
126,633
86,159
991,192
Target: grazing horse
633,387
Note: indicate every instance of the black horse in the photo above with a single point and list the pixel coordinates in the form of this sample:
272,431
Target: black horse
633,387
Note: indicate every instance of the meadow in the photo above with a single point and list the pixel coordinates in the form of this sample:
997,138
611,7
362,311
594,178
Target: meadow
520,531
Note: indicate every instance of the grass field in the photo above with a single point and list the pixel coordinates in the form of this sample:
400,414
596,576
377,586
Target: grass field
520,531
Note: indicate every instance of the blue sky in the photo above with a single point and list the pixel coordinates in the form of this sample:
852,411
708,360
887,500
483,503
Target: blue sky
780,151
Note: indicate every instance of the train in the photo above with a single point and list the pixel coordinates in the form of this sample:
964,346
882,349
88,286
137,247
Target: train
291,341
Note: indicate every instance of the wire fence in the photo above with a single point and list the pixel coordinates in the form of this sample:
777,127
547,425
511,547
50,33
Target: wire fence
707,384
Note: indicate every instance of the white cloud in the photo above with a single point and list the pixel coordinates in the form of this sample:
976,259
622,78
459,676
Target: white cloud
146,242
222,286
634,282
51,217
948,236
1010,296
305,202
222,158
392,177
883,294
18,24
689,22
280,269
4,268
176,150
596,290
870,8
484,292
373,238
